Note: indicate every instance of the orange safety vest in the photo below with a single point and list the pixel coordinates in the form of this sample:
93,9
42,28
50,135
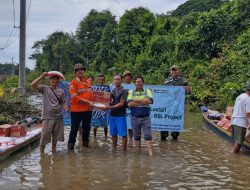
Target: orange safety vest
80,89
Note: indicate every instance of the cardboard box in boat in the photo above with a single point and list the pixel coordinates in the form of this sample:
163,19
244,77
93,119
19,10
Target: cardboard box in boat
5,130
18,131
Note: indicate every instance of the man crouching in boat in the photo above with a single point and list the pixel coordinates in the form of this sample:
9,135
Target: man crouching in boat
53,101
240,119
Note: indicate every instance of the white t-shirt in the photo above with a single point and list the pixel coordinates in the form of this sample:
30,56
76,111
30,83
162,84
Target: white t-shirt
241,108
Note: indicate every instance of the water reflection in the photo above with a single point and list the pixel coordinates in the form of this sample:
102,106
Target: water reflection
200,160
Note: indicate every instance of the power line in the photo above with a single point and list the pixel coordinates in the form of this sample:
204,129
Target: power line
2,55
120,4
12,38
5,54
8,38
28,11
14,14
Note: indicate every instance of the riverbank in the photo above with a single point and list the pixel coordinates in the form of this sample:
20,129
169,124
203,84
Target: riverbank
16,108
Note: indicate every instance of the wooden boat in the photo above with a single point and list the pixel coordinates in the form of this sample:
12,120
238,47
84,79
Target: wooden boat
9,146
212,124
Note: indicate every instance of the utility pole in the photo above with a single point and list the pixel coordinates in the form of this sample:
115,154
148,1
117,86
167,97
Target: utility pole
13,66
22,46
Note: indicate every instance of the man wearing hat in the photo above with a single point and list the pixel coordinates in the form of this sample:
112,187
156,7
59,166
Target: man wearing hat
81,96
240,119
53,101
127,79
175,79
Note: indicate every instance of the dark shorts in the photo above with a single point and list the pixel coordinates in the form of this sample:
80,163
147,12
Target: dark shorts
143,124
238,134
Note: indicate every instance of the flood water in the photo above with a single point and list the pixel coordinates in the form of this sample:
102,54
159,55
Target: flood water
199,160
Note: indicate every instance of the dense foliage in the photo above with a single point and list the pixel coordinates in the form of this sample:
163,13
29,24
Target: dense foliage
209,40
197,6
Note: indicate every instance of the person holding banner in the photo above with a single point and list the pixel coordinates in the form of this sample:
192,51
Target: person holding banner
100,117
117,118
81,104
175,79
127,79
139,101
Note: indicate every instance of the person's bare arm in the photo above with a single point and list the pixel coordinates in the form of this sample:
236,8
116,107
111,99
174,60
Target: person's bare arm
82,100
187,89
136,103
144,101
119,105
35,84
133,104
66,107
248,118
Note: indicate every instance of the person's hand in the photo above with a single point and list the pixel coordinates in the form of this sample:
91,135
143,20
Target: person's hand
137,101
187,89
45,74
91,104
67,109
107,107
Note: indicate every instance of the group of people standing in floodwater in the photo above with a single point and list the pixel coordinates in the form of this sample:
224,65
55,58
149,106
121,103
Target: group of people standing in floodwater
82,108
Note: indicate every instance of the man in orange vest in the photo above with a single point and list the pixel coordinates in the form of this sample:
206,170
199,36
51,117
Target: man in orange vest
81,96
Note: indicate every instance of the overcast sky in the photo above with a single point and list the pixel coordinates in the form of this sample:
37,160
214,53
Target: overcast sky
47,16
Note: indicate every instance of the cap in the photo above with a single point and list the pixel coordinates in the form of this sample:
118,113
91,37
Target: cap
127,73
79,66
174,67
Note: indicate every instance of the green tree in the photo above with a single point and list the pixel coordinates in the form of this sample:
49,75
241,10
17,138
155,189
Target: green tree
165,24
135,28
241,15
106,50
57,52
89,33
44,54
213,30
197,6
